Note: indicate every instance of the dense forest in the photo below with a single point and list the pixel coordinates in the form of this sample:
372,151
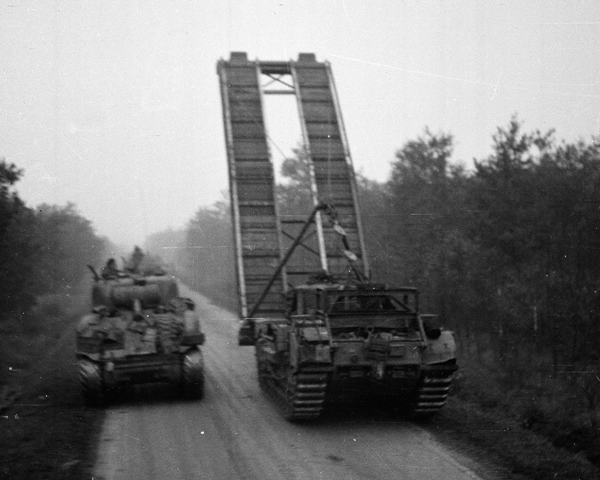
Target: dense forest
43,256
43,249
505,251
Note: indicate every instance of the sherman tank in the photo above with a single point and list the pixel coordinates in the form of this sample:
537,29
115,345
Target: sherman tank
139,330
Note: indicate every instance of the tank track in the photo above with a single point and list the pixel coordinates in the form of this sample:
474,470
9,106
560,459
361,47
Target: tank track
192,375
300,395
92,383
305,395
432,393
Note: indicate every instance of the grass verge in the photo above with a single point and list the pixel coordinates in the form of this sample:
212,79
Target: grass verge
496,432
47,433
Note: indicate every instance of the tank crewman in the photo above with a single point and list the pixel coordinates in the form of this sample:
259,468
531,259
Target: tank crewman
135,260
110,270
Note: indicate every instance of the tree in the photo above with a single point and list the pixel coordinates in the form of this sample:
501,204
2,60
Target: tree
209,255
422,202
294,196
17,246
41,250
66,244
377,220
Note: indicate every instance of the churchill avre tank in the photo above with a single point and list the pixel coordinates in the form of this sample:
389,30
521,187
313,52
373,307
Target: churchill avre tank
323,331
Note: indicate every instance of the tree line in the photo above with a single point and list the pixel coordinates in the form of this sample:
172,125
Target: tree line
507,254
43,249
509,250
506,248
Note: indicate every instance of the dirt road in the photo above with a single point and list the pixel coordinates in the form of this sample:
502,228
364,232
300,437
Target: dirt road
236,432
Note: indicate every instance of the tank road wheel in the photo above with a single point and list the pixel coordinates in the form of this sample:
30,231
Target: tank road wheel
304,395
431,394
192,375
92,383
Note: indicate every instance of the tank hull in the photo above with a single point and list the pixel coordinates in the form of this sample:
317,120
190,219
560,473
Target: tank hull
307,361
142,333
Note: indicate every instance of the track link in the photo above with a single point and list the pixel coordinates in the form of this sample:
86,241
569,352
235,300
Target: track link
431,394
305,395
300,395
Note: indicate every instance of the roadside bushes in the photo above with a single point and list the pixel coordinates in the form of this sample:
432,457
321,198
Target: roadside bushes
43,256
42,249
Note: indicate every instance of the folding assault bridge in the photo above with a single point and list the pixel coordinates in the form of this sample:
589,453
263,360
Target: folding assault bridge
262,236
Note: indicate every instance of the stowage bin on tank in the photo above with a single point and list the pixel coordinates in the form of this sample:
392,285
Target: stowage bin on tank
139,331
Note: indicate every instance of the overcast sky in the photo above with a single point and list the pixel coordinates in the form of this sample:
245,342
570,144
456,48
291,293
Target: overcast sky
115,105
